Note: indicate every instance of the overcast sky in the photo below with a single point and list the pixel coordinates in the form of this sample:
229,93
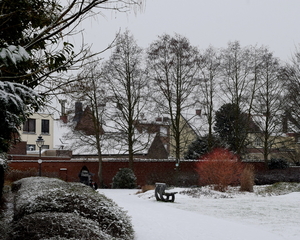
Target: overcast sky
272,23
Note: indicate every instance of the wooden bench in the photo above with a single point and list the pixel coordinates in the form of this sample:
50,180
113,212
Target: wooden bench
161,195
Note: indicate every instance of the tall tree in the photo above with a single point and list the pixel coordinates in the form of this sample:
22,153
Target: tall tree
236,73
172,65
268,104
209,73
238,85
87,130
290,77
128,91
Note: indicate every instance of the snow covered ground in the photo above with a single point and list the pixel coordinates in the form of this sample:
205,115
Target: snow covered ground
235,216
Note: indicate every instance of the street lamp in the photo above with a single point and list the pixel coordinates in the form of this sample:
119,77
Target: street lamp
40,142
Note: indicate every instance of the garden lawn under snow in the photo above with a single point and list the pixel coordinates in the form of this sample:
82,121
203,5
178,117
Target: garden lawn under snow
209,215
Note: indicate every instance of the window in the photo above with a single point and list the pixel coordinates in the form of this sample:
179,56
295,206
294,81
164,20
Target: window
29,126
30,147
45,126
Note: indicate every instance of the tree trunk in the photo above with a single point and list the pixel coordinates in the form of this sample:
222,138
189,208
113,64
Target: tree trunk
100,171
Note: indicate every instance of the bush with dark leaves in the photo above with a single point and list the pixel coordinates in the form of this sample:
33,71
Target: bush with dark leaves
278,163
124,178
47,195
49,225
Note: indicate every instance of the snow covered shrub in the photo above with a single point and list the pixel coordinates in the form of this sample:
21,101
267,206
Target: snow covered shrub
219,168
285,187
1,181
49,195
124,178
3,167
278,163
247,179
205,192
280,188
65,225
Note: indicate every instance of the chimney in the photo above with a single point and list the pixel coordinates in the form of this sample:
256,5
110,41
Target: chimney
198,112
64,118
78,112
63,107
158,119
63,115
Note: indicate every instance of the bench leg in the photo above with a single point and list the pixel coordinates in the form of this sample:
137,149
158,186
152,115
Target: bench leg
160,197
173,198
157,197
164,198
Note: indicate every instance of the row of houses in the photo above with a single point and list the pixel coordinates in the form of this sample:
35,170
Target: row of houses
63,156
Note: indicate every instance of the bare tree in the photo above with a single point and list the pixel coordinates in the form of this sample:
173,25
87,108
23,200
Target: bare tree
128,91
291,80
238,84
87,131
172,65
290,77
268,107
209,73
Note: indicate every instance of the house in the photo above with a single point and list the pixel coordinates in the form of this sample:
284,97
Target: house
64,160
151,137
193,124
285,142
282,141
38,124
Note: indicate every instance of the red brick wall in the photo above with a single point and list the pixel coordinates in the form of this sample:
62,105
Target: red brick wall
18,148
146,171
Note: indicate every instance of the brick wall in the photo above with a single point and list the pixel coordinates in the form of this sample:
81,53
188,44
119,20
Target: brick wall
147,171
19,148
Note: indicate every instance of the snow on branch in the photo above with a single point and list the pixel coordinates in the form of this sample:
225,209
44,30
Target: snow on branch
17,99
13,54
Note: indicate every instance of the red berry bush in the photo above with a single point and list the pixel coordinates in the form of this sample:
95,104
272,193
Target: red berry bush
219,168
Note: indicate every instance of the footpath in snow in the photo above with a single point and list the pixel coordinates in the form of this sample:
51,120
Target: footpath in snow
154,220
